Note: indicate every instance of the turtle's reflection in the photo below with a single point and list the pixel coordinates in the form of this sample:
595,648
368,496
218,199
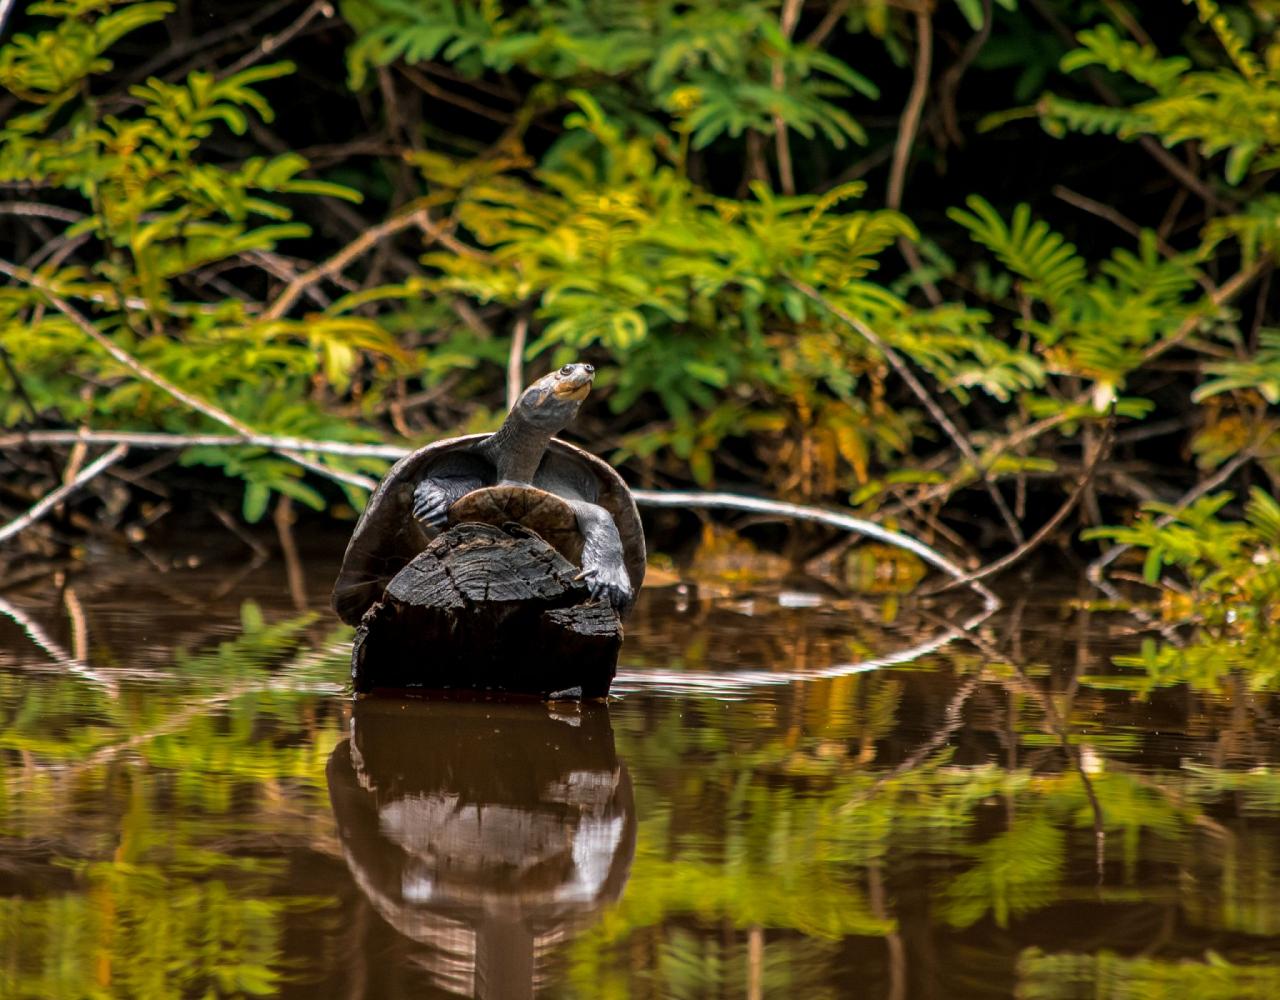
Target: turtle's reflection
486,833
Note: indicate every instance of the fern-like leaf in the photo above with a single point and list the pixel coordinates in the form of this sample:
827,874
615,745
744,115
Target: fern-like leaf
1029,248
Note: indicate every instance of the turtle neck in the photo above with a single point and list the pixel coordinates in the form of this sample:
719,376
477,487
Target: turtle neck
516,448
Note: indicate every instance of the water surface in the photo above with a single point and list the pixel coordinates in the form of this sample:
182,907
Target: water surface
781,803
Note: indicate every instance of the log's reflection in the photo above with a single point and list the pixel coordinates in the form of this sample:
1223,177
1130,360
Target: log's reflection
485,833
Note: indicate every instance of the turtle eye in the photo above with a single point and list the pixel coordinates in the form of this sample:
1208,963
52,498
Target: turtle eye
567,370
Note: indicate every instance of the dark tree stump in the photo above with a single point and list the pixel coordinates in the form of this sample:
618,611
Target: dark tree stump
492,609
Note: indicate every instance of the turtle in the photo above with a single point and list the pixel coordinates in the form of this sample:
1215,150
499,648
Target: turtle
573,500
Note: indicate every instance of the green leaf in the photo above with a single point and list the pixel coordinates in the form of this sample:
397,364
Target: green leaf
972,11
256,498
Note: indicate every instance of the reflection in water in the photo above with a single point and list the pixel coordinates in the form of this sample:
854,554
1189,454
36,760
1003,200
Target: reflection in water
1018,814
486,833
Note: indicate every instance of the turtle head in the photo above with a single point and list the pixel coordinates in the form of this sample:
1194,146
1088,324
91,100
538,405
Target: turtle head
553,401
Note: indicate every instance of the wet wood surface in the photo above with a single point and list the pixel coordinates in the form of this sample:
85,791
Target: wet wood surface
488,608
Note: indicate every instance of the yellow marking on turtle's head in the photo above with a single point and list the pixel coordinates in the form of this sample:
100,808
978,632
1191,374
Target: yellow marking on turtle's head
573,382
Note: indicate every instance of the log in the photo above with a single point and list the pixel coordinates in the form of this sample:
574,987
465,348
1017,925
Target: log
488,608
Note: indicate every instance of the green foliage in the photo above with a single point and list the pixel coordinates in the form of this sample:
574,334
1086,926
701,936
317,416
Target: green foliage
692,294
1103,46
1259,373
1100,328
167,837
709,65
47,68
1064,976
1105,324
1227,109
650,185
161,215
1230,583
1045,261
1016,873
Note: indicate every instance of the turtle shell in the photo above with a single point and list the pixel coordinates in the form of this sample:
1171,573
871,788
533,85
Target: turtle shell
388,536
544,513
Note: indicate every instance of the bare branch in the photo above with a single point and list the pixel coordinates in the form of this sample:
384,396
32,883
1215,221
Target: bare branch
56,496
36,208
294,573
420,81
1221,296
907,128
1015,438
1130,23
1049,526
799,512
269,45
922,394
160,382
647,498
778,79
515,362
950,84
828,23
1224,294
156,441
910,121
1121,221
357,247
65,660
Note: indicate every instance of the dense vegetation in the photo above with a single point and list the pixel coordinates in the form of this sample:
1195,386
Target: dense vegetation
992,270
923,259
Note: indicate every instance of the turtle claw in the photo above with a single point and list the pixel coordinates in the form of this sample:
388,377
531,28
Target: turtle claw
605,584
431,505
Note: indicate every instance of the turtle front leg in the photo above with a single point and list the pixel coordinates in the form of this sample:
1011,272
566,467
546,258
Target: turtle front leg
604,567
433,497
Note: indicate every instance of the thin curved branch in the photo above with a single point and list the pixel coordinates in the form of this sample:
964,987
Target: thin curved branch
1121,221
799,512
1227,291
645,498
950,84
273,43
778,80
515,360
35,208
922,394
56,496
164,385
828,23
159,442
1049,526
335,264
909,124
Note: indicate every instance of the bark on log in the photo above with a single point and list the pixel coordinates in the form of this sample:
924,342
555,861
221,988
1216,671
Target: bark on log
491,609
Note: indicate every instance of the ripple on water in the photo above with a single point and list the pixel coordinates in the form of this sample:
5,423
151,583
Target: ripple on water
792,793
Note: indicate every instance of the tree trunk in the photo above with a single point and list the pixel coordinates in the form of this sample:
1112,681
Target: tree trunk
491,609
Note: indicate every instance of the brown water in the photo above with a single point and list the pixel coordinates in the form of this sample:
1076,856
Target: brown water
191,805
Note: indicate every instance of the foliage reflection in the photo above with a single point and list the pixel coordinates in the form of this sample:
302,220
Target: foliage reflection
214,817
